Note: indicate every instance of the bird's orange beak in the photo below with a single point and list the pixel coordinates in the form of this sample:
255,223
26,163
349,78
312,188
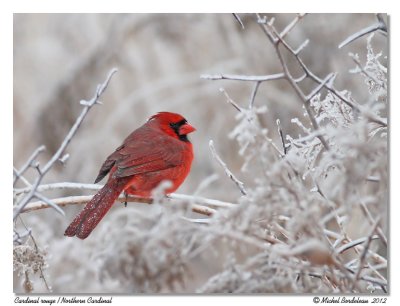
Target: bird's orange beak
186,129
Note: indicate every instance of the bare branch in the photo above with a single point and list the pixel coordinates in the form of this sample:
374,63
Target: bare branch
50,203
278,123
247,78
238,183
276,39
301,47
201,200
380,26
80,186
291,25
253,94
229,100
317,89
238,20
79,200
100,89
364,254
28,163
58,186
21,177
354,243
379,230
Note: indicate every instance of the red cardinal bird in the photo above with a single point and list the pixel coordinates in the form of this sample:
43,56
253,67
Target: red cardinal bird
159,150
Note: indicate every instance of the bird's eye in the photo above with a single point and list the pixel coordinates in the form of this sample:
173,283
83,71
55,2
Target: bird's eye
176,125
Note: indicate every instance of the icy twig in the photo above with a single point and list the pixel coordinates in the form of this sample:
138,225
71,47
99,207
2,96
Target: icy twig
238,183
238,20
78,200
28,163
59,153
246,78
379,26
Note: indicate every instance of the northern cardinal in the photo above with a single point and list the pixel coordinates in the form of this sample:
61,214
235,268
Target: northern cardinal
159,150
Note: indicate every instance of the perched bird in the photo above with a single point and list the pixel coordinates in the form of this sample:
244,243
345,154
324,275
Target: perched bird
159,150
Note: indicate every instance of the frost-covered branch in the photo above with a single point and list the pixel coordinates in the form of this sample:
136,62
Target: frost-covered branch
246,78
78,200
42,171
81,186
364,254
305,196
379,26
238,183
28,163
276,39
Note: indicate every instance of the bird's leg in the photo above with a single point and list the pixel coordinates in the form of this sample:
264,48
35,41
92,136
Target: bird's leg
126,198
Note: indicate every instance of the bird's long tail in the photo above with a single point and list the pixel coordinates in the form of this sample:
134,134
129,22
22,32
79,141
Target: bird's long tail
85,222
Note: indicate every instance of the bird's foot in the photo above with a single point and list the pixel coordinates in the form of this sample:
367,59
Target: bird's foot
126,199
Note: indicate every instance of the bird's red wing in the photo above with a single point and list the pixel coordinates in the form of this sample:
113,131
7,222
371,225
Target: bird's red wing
136,158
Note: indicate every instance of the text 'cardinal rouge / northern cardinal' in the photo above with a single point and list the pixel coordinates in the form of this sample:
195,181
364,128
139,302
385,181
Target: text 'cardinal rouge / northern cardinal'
159,150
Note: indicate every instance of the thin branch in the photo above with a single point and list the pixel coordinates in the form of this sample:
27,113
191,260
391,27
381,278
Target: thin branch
317,89
291,25
354,243
301,47
17,239
95,187
364,71
28,163
37,250
58,186
253,94
50,203
21,177
379,230
364,254
238,183
238,20
380,26
79,200
201,200
229,100
247,78
374,179
87,106
278,123
276,39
